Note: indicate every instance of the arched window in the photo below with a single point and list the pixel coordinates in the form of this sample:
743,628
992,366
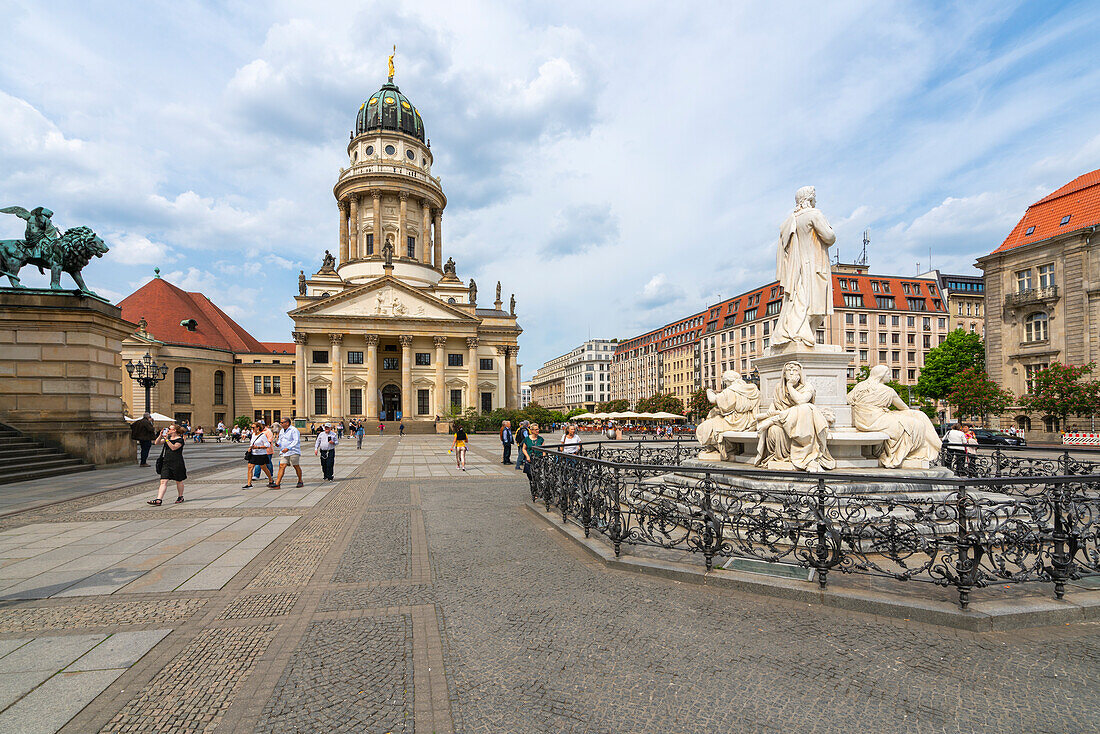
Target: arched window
1023,423
1035,327
181,381
219,388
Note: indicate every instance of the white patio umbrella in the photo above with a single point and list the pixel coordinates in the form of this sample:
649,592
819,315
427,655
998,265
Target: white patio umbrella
669,416
584,417
157,418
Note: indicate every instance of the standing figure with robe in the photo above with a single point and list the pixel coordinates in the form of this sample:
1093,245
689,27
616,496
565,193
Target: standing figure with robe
804,272
734,410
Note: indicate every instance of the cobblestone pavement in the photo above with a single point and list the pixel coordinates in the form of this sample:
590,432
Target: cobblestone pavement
412,597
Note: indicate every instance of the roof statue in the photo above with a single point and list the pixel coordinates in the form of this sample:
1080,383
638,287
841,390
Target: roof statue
473,291
449,266
804,272
390,64
512,305
328,262
45,247
498,292
387,252
301,283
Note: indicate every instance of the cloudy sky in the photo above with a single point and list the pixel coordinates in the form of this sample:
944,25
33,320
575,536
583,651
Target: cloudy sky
615,164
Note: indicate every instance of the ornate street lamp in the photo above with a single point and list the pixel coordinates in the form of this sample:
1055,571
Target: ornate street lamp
146,373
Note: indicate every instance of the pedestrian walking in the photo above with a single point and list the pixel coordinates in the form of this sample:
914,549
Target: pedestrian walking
144,432
340,430
360,431
325,447
521,436
257,456
531,446
570,441
458,445
170,464
401,429
381,428
290,452
506,441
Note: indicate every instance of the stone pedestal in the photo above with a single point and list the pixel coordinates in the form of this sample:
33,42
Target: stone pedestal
61,372
825,367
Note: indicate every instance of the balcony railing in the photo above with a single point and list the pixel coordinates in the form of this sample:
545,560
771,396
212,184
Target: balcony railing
360,169
1032,295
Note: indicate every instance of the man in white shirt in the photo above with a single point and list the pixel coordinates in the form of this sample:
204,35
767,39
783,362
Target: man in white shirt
290,451
958,443
326,448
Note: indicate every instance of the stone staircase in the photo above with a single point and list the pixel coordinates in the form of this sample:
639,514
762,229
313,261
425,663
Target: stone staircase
23,458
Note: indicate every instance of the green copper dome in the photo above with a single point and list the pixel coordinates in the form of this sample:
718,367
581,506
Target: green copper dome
388,109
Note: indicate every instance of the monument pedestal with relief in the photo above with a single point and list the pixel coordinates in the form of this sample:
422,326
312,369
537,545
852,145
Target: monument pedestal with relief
61,372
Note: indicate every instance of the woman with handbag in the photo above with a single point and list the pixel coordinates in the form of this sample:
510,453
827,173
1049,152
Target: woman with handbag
170,464
257,455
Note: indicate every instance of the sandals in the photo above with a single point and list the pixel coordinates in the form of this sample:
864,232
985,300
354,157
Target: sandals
179,499
155,503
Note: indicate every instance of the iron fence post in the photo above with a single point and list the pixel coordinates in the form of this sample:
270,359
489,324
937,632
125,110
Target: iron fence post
1062,566
966,554
616,531
820,553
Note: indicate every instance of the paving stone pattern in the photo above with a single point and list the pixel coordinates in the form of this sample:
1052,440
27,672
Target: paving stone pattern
410,596
192,692
378,550
347,676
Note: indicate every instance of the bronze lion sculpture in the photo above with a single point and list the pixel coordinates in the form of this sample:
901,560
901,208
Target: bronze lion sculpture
69,253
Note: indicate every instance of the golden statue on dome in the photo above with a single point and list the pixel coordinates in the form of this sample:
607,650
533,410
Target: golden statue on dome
391,62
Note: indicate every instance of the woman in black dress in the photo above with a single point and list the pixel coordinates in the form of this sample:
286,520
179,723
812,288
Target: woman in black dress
170,464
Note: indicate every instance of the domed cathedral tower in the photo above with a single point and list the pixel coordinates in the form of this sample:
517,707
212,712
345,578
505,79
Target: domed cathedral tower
388,331
388,194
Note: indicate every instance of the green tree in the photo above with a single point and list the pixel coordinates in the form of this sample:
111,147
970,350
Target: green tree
243,421
661,402
698,405
537,414
976,395
613,406
1061,390
575,411
945,364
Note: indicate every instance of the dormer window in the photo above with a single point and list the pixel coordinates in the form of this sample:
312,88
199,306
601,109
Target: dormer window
1065,220
1029,230
189,324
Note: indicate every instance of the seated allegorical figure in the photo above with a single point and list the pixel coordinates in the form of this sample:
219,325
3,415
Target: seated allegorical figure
734,410
911,436
795,430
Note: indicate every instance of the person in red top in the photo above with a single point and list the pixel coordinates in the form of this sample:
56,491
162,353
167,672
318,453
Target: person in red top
381,428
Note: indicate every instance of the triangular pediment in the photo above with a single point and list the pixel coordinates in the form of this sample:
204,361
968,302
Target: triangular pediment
385,298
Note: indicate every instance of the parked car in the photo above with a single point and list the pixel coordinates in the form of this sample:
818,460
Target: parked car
987,437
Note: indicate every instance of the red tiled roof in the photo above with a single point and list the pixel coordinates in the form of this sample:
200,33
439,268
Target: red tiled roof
1079,199
164,306
279,347
918,288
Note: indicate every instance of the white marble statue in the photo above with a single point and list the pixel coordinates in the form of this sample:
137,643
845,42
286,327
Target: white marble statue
911,435
804,271
734,410
795,431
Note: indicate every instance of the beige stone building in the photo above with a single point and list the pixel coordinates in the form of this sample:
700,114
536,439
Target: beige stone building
216,370
388,329
1043,289
580,378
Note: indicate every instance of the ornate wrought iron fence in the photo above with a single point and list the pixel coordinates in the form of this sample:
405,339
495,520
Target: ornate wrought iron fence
1019,461
964,533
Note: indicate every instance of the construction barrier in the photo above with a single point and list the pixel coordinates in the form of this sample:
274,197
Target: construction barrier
1081,439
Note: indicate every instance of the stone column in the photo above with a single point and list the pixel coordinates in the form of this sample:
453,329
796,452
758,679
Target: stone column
407,398
372,375
440,376
502,376
472,397
376,194
402,226
425,232
511,379
353,227
343,232
301,392
336,399
438,244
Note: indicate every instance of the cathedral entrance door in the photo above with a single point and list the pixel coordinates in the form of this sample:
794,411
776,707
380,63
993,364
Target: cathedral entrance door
391,402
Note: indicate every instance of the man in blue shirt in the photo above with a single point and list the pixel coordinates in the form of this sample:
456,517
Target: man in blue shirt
507,439
290,451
